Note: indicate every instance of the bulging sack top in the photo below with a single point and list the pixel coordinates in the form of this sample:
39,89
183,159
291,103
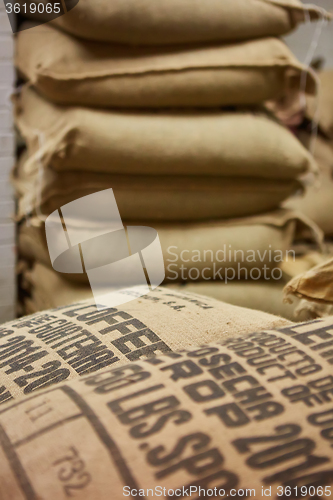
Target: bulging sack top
182,21
60,344
173,143
246,416
68,70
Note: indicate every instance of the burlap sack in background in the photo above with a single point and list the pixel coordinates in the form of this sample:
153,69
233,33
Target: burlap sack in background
245,243
263,295
68,70
317,199
321,108
32,243
154,198
305,260
159,143
78,339
236,418
315,285
183,21
46,289
269,295
238,245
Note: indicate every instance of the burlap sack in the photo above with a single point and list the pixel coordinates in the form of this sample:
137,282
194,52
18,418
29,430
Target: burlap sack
321,109
317,199
159,143
183,21
206,251
315,285
303,262
154,198
250,416
264,296
68,70
79,338
32,245
47,289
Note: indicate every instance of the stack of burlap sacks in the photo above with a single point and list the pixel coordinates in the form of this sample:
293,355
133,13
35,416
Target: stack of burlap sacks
318,200
313,283
165,106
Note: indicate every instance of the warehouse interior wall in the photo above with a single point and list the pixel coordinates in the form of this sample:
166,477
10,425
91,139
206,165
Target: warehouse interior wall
300,41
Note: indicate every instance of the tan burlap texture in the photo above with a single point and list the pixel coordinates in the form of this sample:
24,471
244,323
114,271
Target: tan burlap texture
68,70
317,200
183,21
246,243
173,142
79,338
246,413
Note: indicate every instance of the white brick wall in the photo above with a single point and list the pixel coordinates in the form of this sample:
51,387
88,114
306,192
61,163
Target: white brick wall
7,151
300,41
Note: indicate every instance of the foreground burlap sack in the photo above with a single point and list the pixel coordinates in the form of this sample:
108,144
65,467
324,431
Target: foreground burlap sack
317,200
204,251
249,416
321,109
167,22
158,143
79,338
68,70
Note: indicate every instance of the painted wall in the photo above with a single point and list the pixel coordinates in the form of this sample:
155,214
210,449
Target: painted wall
300,41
